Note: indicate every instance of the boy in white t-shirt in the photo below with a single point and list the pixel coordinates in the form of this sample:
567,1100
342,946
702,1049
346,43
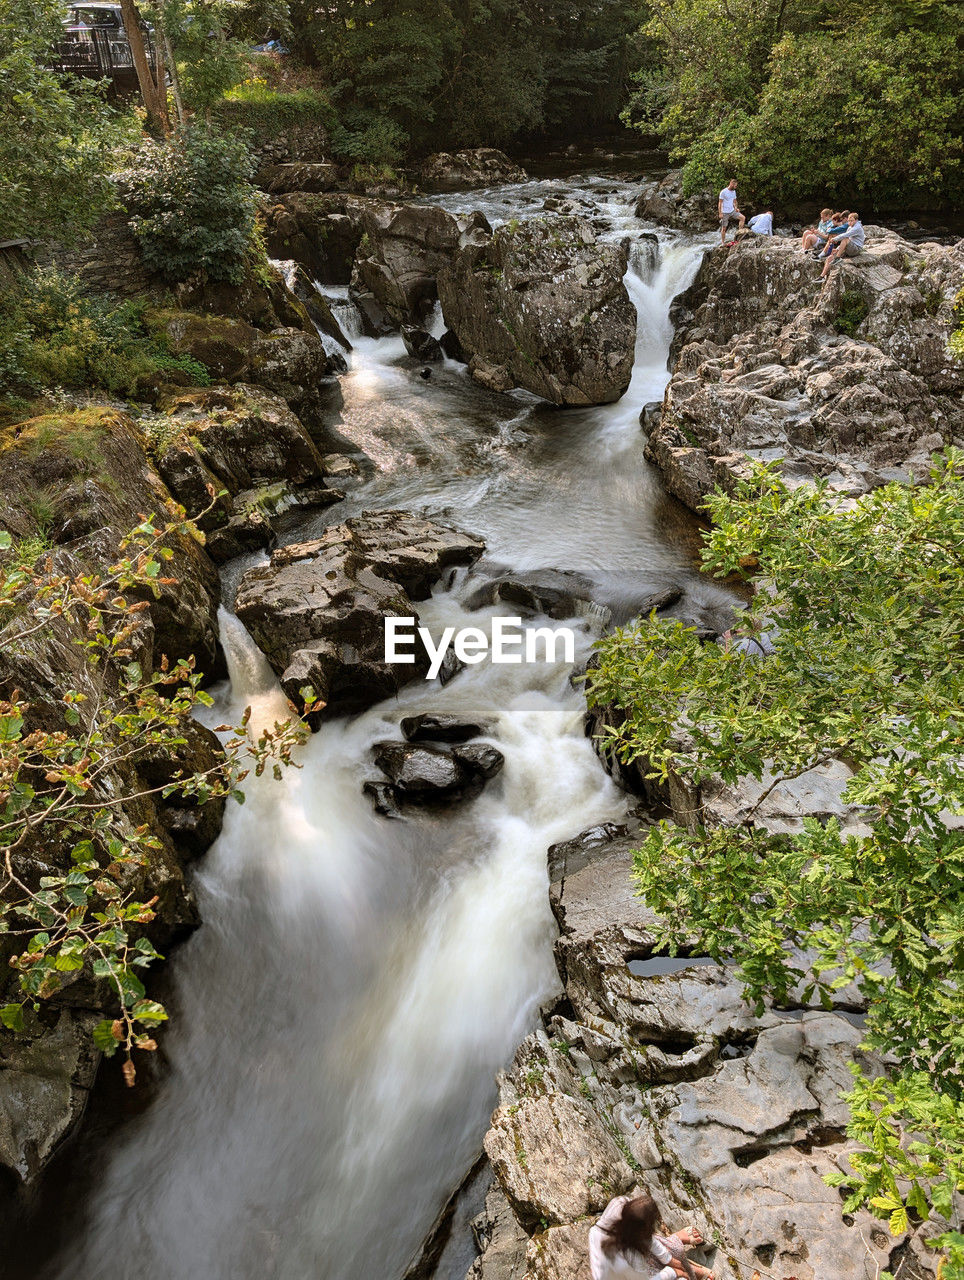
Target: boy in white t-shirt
728,209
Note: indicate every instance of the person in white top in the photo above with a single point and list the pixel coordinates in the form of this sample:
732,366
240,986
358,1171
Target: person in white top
728,209
623,1245
762,224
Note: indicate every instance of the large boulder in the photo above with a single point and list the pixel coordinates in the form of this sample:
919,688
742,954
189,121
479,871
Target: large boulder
429,774
463,170
850,380
401,253
246,445
318,609
542,305
320,232
661,200
291,361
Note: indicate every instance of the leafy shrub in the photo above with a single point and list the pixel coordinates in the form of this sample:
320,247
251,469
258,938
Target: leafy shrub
53,334
266,113
192,205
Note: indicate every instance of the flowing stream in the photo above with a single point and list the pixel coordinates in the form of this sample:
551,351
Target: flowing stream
357,982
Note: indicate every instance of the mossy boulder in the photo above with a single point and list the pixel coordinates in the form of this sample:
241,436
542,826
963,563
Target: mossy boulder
243,443
81,479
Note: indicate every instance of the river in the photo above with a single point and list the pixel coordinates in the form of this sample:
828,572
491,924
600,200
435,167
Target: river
357,982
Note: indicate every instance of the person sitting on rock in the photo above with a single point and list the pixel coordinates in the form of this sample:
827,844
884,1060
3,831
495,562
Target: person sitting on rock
623,1245
846,245
838,226
762,223
812,236
728,209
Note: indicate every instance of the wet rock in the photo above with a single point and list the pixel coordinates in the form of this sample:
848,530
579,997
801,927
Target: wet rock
423,774
439,727
420,345
569,856
45,1078
401,253
316,305
500,1239
463,170
451,347
420,772
555,593
479,758
318,609
850,381
542,305
662,200
382,796
321,232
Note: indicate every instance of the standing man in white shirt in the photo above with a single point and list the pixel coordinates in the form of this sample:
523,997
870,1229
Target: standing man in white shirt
728,209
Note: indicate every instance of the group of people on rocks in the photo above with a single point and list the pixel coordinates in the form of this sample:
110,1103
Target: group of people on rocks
837,234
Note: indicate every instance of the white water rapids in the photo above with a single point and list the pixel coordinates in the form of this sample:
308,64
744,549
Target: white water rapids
340,1015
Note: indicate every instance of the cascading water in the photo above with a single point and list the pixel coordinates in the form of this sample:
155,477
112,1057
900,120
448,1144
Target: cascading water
356,984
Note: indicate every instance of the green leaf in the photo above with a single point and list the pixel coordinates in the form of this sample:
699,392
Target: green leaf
104,1038
11,1015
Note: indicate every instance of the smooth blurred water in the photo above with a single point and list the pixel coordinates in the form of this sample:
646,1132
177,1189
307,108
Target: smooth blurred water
356,983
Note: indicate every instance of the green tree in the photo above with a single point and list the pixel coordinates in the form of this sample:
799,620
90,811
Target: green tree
56,137
868,670
803,99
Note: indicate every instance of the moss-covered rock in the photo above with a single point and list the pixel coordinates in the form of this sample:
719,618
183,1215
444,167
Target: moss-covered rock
245,441
82,479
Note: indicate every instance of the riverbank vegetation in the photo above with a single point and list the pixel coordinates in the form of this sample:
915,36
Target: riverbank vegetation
864,609
807,101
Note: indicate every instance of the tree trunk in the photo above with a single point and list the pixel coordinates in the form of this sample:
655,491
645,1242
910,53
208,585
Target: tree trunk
153,94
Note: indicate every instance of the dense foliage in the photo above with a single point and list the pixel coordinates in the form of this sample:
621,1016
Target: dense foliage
801,99
192,204
427,73
73,866
55,334
868,670
55,136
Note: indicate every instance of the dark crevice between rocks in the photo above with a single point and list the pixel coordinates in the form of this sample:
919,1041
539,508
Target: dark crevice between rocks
821,1136
426,1263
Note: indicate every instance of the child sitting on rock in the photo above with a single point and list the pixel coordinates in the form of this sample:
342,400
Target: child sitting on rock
813,235
623,1245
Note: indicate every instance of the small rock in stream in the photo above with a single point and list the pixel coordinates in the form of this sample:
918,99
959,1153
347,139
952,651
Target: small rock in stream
421,774
439,727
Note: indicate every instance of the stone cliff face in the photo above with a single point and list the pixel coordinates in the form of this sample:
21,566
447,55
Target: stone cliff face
666,1081
849,381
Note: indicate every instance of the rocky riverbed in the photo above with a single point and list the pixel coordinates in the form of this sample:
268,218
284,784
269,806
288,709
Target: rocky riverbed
467,378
